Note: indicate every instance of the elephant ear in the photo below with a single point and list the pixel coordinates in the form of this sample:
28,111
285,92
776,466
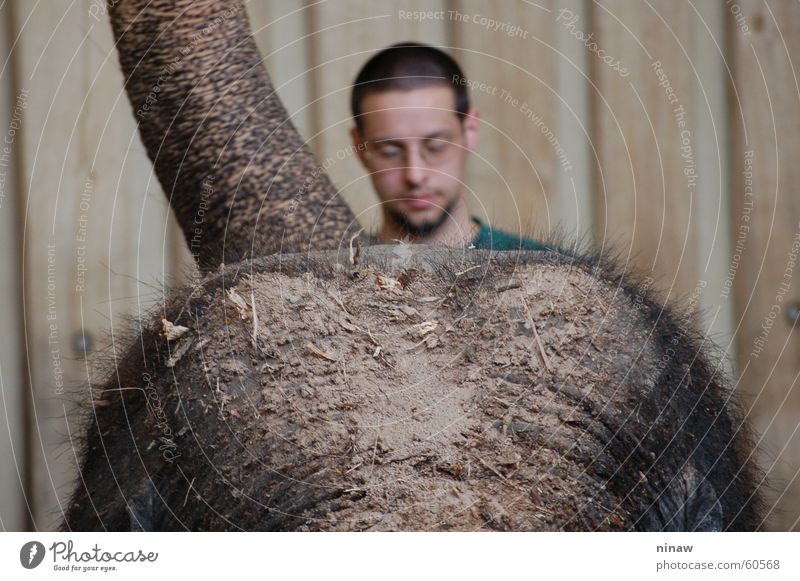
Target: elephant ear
235,170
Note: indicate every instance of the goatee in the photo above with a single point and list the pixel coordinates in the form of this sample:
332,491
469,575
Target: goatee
419,230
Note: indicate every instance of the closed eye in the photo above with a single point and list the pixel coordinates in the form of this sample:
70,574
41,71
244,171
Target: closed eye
435,145
389,151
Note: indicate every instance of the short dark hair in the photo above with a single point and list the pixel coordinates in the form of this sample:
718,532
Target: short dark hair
406,66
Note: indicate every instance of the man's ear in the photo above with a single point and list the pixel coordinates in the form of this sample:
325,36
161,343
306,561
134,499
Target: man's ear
471,124
358,145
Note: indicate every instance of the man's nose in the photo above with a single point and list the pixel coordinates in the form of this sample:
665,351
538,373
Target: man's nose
415,170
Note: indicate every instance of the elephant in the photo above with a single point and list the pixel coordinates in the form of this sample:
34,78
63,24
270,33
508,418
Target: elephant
311,382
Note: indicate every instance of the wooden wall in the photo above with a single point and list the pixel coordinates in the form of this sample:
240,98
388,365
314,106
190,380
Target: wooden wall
765,123
641,153
14,477
94,242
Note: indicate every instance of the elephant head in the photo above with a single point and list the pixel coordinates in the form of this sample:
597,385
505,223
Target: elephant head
414,388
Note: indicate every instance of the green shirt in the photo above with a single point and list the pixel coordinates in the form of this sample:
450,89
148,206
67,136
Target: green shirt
493,239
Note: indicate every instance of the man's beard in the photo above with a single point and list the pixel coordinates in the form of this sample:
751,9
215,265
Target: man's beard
420,230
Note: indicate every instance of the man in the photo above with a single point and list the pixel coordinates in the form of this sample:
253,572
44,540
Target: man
414,128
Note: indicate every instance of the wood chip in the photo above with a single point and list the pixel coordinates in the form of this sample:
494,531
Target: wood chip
386,282
428,299
490,467
409,311
424,328
470,269
507,284
238,302
321,353
179,351
172,332
372,339
536,335
255,319
355,254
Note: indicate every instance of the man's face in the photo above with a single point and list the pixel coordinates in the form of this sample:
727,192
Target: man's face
416,152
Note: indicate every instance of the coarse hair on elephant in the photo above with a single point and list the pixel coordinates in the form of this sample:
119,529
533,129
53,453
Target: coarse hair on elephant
308,384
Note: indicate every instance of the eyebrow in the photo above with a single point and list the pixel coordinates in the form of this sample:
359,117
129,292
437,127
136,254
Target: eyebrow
441,134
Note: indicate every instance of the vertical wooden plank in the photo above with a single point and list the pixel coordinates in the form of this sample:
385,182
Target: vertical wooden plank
343,37
645,122
508,48
96,242
712,211
51,181
13,380
765,265
574,187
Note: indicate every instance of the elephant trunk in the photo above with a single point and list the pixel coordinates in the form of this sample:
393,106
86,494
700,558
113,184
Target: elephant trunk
235,170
